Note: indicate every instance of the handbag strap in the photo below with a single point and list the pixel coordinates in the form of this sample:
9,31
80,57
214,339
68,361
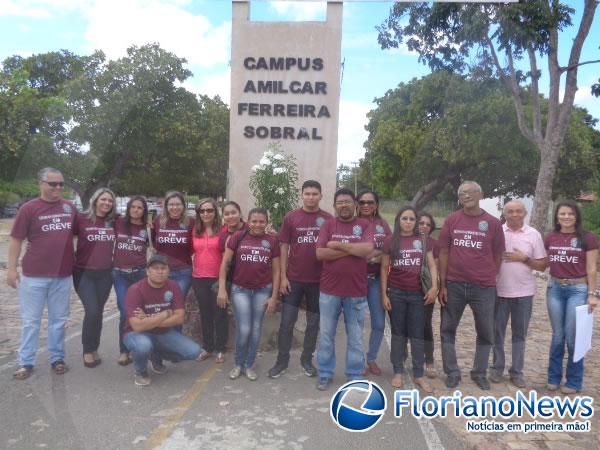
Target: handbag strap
424,248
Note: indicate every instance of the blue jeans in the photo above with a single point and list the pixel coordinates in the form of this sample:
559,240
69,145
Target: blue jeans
34,293
183,277
249,309
330,307
562,301
122,281
377,318
171,345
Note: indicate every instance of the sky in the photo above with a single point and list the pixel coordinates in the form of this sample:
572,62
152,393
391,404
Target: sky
200,31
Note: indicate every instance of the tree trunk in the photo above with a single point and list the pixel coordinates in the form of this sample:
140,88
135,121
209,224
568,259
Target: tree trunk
429,191
543,189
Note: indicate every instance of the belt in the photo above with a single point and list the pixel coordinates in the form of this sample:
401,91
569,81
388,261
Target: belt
570,281
130,270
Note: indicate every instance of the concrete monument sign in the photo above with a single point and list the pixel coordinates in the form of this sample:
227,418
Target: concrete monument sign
285,88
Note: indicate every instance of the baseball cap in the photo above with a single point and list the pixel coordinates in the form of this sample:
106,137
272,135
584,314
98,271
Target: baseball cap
157,259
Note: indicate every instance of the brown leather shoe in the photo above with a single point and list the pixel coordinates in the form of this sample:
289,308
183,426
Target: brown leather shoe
374,368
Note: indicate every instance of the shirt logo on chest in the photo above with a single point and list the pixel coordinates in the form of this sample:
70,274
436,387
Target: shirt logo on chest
379,229
357,230
168,296
417,244
483,225
574,242
265,244
320,221
66,208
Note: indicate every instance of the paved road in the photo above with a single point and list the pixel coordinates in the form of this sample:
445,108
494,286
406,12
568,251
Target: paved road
194,405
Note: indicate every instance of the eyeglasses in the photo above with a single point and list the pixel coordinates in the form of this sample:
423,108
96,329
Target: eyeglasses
174,205
206,211
469,193
366,202
54,184
344,203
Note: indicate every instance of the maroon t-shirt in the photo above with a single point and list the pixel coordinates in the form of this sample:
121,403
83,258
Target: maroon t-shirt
405,266
300,230
152,301
565,256
95,243
253,259
48,226
174,240
130,249
380,231
472,242
225,233
347,276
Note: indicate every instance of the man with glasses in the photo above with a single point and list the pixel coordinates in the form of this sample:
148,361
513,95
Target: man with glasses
471,247
343,245
300,273
47,224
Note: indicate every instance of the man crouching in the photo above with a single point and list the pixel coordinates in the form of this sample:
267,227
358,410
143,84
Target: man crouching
154,308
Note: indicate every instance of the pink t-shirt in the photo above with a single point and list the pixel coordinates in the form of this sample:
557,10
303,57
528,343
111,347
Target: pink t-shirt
347,276
405,267
472,243
300,230
95,243
48,226
152,301
130,249
380,231
516,279
174,240
253,259
207,255
565,256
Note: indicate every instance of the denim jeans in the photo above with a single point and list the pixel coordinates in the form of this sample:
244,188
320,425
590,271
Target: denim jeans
249,310
377,314
34,294
289,316
407,319
93,288
215,323
354,309
428,336
562,301
171,345
183,277
481,300
519,311
122,281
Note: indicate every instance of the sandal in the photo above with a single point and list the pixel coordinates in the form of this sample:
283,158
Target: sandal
220,359
204,356
124,359
59,367
23,372
396,381
424,385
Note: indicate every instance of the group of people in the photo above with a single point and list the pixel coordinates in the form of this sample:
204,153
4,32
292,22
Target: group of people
346,263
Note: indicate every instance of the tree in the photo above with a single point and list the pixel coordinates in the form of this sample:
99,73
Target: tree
448,36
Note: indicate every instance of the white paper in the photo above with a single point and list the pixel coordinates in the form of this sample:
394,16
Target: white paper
584,323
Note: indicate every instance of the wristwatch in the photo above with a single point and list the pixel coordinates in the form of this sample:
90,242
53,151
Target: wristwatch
595,293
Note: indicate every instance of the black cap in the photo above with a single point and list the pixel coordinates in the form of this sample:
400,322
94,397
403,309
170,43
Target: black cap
158,258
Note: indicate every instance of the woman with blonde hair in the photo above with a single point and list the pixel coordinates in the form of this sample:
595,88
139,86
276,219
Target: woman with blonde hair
92,276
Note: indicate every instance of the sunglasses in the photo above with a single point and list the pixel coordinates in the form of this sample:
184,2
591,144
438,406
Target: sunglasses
206,211
366,202
54,183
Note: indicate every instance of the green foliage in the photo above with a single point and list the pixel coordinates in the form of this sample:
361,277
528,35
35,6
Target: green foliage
16,191
273,183
591,211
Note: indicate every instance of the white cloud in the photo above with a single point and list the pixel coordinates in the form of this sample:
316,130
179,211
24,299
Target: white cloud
352,133
22,9
300,11
211,85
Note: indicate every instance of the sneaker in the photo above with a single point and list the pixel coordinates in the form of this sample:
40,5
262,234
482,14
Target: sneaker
277,370
235,373
495,376
482,382
324,383
518,381
157,366
141,379
251,374
309,369
452,381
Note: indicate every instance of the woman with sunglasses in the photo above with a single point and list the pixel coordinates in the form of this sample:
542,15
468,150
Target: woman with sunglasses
368,208
255,287
129,259
402,294
207,261
427,226
172,237
92,274
572,256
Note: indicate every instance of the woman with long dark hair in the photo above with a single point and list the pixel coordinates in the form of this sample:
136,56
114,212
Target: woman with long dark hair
255,287
232,222
129,258
172,237
207,262
572,255
368,208
402,294
92,274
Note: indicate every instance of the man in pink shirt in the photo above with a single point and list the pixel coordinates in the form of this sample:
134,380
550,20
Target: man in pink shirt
515,288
